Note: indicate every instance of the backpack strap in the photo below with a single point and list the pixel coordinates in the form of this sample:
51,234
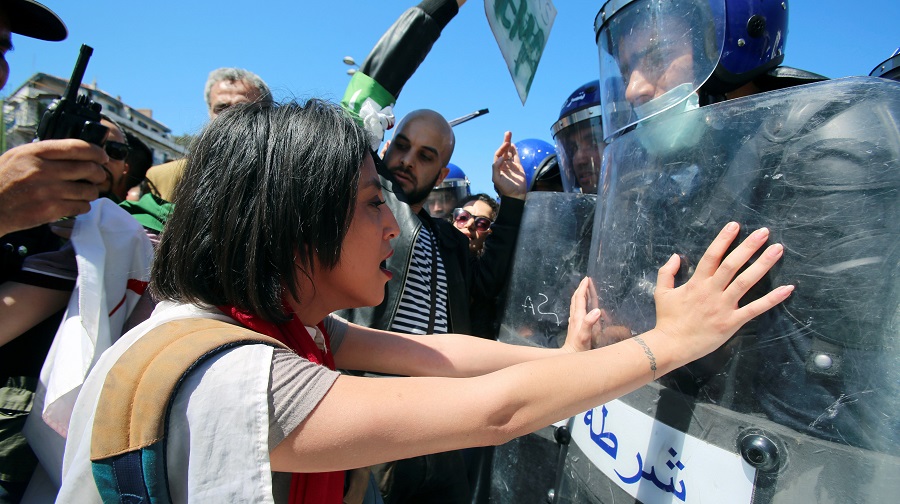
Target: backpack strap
130,423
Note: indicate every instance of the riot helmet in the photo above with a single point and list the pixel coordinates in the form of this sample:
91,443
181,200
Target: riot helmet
889,68
659,55
546,176
444,197
532,152
579,139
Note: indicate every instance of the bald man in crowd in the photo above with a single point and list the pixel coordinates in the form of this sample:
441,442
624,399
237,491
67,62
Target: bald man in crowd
435,276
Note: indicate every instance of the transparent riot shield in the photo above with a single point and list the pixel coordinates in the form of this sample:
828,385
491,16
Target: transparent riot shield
549,262
803,404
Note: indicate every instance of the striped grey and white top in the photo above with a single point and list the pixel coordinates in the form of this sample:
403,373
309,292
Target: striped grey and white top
415,302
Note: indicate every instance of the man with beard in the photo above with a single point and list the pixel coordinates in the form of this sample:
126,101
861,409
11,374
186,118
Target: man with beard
434,275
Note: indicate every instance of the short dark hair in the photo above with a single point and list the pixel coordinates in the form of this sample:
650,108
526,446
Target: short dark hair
491,202
267,189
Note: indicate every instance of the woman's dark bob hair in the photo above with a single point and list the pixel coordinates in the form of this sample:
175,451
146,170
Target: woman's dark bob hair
267,189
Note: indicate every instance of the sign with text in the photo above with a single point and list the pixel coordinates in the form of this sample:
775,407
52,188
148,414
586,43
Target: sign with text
521,28
657,464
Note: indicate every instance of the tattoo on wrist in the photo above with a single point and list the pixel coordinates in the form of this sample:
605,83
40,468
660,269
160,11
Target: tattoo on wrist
649,354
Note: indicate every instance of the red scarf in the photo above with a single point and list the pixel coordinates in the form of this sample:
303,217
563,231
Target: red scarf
326,487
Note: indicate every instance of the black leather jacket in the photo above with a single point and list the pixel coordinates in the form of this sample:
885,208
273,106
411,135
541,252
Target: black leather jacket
483,277
391,63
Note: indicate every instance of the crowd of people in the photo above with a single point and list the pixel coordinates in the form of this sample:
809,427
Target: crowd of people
286,315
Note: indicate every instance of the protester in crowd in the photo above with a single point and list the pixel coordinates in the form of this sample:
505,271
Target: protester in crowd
229,86
474,220
117,148
113,249
86,291
224,87
249,410
435,276
40,182
474,217
30,297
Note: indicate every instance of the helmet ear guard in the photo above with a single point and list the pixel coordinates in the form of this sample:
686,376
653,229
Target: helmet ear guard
755,34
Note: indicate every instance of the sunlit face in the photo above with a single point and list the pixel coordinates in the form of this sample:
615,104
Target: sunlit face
226,93
476,238
652,66
416,157
116,167
359,277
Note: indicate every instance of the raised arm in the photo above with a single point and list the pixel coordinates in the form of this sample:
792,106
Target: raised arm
375,87
373,420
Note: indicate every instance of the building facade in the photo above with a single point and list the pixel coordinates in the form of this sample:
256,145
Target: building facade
23,109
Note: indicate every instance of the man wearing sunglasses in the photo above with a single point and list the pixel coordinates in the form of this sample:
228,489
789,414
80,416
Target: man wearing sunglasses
116,147
42,181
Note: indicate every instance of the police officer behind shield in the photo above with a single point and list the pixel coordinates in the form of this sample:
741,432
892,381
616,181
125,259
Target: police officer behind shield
579,139
661,60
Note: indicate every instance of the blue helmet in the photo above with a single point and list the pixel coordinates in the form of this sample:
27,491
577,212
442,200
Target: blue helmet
455,175
444,197
532,152
755,33
579,139
582,104
729,43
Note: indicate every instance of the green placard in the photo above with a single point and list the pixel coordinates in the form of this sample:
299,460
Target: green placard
521,28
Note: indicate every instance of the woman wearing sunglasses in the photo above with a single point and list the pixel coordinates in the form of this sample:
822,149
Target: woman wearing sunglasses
282,221
474,219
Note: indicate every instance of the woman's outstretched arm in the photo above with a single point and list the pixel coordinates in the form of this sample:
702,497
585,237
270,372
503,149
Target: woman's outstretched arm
363,421
457,355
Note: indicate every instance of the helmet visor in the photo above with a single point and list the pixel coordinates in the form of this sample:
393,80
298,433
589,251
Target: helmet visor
579,148
441,202
654,54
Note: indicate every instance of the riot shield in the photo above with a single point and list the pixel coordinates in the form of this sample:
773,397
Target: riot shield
803,404
549,262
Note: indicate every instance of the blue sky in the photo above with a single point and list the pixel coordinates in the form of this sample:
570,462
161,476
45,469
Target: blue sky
157,55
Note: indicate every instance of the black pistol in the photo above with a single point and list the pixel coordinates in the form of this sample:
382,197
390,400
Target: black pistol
74,116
